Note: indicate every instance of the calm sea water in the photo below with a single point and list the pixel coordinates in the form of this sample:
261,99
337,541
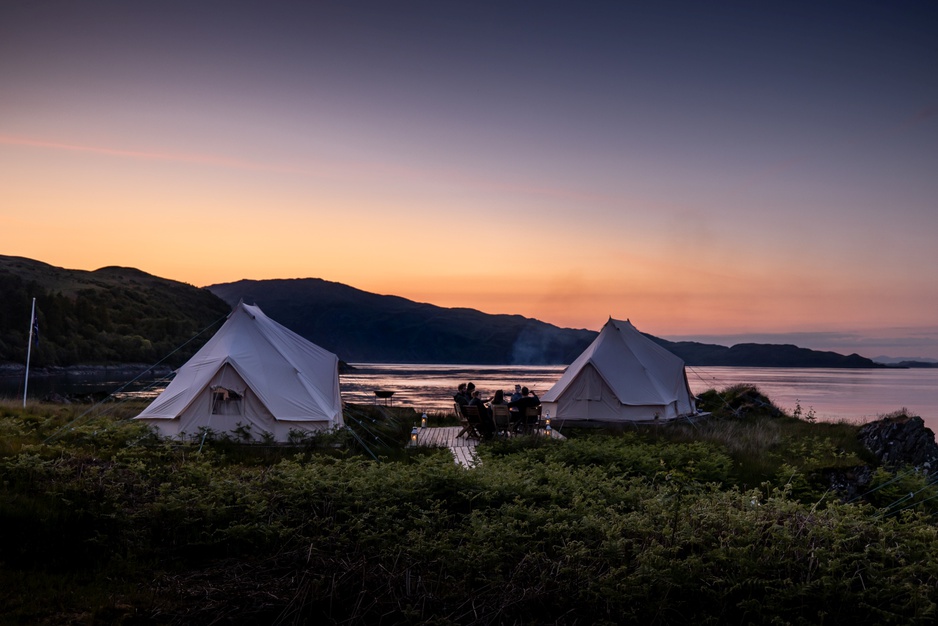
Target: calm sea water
857,395
84,383
833,394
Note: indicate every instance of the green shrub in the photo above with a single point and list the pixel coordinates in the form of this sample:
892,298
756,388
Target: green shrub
106,522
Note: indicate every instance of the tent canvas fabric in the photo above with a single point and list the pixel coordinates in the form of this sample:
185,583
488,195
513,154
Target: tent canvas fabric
623,376
252,373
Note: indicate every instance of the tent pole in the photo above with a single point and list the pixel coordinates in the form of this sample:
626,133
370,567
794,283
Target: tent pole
29,349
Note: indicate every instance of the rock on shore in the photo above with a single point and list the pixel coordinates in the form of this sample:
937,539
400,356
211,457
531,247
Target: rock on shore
895,439
901,438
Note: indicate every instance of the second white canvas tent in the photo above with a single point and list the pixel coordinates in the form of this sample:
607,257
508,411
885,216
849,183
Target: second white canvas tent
623,376
254,375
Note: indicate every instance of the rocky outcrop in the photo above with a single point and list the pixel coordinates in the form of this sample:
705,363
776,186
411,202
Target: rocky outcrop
737,401
901,438
849,483
896,439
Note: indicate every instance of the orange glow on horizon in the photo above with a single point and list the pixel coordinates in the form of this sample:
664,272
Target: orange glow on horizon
213,226
575,303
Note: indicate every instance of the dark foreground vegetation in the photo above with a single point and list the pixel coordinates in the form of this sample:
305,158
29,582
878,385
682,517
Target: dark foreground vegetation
728,521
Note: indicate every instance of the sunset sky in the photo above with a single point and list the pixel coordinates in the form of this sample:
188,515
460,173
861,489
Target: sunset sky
719,171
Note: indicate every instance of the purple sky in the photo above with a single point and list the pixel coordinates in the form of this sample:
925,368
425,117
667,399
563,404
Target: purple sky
708,170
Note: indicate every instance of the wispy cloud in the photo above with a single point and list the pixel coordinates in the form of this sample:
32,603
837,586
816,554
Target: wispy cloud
201,159
332,170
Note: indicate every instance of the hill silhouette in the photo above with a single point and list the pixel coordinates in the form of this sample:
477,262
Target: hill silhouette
119,315
109,316
365,327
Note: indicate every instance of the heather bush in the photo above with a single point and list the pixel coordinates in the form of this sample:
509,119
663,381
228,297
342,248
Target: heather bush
105,522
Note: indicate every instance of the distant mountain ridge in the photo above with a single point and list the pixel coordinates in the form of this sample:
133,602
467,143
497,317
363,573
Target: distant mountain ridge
121,315
365,327
906,361
762,355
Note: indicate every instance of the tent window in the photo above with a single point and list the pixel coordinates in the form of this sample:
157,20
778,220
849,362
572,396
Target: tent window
226,401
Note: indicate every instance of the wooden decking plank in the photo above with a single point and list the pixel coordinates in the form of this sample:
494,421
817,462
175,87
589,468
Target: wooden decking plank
463,449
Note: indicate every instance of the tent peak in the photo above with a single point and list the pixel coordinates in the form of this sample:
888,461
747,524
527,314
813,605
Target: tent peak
284,382
622,376
249,309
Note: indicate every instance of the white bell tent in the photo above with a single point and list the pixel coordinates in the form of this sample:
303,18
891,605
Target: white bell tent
623,376
253,374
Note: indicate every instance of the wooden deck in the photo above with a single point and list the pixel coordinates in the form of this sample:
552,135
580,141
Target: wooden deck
462,448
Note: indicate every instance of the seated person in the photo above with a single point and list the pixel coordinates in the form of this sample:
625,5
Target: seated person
486,424
517,394
514,398
498,398
528,400
462,397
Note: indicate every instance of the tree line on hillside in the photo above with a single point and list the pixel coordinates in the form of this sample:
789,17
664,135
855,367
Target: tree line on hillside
133,324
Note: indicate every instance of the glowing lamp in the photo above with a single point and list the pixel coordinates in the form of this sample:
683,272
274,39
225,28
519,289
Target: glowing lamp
423,420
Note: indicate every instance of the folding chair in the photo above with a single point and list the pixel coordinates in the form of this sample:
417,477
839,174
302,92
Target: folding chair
532,417
468,418
502,417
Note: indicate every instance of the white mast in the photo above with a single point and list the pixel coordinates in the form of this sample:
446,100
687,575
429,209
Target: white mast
29,349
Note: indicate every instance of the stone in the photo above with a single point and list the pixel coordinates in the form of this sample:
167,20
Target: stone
899,439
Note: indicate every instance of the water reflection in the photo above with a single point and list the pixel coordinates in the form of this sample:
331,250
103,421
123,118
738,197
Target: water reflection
431,387
84,383
833,394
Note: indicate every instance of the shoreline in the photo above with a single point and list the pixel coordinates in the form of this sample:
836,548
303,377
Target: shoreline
10,370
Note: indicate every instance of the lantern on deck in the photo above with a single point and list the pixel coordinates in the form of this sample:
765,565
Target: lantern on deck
423,420
413,436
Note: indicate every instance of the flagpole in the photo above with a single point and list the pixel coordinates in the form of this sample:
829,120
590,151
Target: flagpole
29,349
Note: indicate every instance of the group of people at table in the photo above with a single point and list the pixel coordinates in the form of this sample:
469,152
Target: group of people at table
519,401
